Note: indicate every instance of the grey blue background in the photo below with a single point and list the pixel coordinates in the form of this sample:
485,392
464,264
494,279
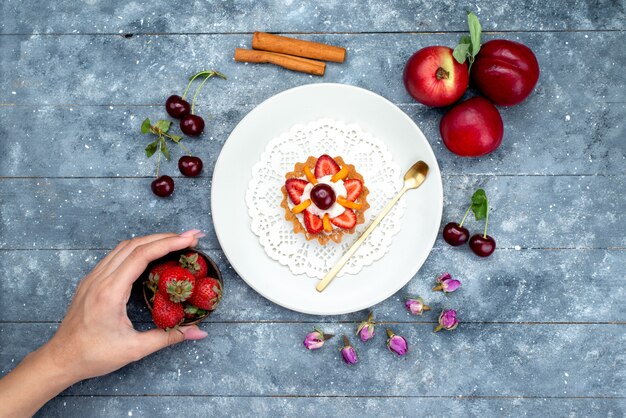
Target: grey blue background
543,320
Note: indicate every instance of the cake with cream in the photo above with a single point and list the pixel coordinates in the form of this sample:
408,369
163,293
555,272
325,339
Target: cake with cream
324,198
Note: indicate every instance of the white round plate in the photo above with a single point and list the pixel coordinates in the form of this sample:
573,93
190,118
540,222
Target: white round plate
348,293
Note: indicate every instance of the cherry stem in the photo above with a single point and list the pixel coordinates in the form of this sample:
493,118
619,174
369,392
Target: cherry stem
193,77
185,148
193,101
486,223
208,75
466,213
159,158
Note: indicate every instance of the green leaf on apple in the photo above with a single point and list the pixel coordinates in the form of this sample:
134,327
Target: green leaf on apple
461,51
479,204
475,30
469,46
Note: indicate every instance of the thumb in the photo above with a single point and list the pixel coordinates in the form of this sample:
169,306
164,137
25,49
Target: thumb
157,339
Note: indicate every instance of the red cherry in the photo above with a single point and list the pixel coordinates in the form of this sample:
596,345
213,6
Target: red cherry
482,246
177,107
455,234
192,125
162,186
323,196
190,166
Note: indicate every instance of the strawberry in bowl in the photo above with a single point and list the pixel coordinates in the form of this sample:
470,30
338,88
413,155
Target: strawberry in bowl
324,198
182,288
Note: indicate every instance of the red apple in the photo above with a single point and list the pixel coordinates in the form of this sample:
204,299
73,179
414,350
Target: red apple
433,77
472,128
505,71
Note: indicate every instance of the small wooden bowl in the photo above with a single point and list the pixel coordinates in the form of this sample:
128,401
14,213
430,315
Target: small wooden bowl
213,271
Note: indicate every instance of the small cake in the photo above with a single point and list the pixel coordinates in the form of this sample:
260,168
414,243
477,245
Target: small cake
324,198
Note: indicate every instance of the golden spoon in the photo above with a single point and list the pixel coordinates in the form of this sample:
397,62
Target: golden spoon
413,179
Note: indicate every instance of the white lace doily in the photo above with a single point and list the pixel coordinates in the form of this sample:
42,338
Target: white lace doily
371,159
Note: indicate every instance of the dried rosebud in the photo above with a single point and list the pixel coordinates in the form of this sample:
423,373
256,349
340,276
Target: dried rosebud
447,320
396,343
442,277
365,330
348,352
448,286
315,339
416,306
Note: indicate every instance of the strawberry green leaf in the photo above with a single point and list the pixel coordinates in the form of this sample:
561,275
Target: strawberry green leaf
479,204
145,126
151,148
163,125
164,149
475,31
191,310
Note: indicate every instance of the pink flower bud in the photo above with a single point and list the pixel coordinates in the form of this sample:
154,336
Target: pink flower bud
365,330
447,320
416,306
442,277
449,286
348,352
396,343
315,339
446,283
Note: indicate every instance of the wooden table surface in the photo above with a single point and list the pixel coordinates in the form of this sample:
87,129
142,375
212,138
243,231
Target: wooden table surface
543,329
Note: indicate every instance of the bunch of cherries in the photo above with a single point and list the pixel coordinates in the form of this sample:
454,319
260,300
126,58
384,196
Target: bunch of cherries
456,234
192,125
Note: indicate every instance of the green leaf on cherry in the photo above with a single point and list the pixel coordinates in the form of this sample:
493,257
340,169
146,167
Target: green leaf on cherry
479,204
151,148
145,126
164,149
175,138
163,125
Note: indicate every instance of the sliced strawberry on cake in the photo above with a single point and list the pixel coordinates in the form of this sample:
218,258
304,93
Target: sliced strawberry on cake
324,198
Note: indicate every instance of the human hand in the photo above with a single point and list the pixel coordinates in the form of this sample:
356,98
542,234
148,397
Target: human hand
96,337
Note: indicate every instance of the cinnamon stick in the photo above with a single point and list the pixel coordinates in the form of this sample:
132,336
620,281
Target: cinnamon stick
286,61
297,47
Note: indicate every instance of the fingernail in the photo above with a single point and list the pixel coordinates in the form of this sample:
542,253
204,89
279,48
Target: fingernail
190,233
194,333
199,235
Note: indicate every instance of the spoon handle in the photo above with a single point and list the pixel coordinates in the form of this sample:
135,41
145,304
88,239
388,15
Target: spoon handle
344,259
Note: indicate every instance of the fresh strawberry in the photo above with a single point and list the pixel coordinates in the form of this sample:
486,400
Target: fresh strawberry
313,223
165,313
353,187
208,293
176,283
155,272
346,220
193,312
295,188
326,166
195,263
